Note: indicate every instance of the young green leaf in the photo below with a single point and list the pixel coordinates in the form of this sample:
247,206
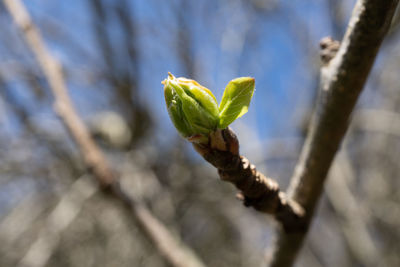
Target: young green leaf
236,100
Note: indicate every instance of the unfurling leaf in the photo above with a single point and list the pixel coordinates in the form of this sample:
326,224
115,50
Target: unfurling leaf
236,100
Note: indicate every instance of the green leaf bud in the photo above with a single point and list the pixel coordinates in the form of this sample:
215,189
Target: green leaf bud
192,108
174,107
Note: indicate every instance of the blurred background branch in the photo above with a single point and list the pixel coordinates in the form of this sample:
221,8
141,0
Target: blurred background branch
59,219
176,253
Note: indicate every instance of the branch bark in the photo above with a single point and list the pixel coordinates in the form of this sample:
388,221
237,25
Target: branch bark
342,80
256,190
170,247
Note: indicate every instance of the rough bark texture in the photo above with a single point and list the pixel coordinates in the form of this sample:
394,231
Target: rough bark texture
342,81
256,190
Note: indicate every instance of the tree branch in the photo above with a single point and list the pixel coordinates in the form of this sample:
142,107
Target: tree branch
173,250
342,81
257,191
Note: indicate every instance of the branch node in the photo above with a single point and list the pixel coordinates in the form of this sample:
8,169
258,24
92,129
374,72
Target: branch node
329,47
256,190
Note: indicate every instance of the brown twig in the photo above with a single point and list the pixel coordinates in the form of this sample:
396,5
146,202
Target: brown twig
341,83
257,190
174,251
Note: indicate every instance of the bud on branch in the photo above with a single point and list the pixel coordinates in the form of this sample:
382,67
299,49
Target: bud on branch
193,110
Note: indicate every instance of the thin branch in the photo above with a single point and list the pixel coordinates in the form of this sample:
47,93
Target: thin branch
174,251
341,83
92,155
256,190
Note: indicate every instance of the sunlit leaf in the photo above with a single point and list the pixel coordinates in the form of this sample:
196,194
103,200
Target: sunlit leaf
236,100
